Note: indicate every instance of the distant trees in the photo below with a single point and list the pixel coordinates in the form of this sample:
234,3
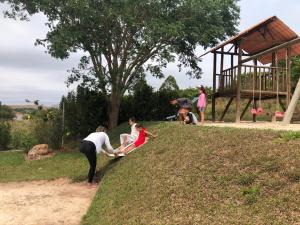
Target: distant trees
85,108
169,84
6,113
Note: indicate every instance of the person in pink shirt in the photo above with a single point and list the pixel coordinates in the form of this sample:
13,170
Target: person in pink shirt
201,105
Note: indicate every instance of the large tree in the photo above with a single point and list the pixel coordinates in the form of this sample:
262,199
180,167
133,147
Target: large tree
169,84
124,39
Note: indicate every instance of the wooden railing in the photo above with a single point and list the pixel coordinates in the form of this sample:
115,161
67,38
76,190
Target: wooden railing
253,77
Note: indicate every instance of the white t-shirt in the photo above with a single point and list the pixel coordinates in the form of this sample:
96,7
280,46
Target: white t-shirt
134,131
99,139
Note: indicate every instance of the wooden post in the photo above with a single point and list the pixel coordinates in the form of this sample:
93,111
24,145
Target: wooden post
245,109
238,86
221,70
231,75
213,102
288,76
254,106
63,124
291,108
273,72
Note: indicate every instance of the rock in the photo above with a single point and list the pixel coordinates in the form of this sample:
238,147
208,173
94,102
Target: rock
37,151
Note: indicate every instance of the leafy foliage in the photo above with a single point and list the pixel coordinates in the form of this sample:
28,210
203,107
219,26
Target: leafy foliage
84,111
169,84
48,130
125,39
6,113
4,135
22,136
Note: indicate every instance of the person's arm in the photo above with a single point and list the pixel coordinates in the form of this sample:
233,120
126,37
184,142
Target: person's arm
149,133
108,145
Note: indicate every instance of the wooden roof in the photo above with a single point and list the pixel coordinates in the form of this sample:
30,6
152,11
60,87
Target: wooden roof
264,35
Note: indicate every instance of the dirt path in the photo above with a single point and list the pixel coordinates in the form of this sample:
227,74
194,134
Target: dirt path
44,202
258,125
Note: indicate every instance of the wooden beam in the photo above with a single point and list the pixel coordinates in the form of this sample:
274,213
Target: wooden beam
293,104
232,46
232,70
273,49
226,108
213,102
264,92
288,75
273,72
221,70
245,109
238,87
231,53
255,107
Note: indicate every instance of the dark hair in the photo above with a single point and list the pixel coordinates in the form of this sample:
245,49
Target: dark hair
133,119
202,89
138,125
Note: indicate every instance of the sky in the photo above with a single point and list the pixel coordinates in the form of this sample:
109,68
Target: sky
27,72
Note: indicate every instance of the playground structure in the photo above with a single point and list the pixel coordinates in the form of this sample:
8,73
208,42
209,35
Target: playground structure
255,73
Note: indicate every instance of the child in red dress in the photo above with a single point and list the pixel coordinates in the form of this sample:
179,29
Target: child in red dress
143,135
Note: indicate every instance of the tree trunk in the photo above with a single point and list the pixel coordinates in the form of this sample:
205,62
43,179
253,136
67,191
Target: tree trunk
114,109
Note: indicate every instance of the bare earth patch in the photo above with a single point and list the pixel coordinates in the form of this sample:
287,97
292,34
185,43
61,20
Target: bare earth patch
44,202
258,125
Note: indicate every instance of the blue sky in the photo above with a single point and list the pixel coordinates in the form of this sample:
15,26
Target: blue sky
27,72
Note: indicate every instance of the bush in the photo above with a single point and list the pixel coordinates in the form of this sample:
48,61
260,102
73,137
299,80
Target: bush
48,130
5,129
6,113
22,136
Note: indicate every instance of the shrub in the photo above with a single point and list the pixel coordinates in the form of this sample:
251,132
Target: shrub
48,128
6,113
22,137
5,129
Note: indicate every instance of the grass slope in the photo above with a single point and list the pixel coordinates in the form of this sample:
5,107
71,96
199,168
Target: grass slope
199,175
188,175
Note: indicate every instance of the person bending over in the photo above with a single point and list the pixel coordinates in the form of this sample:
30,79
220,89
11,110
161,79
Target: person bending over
190,119
126,139
91,146
185,106
143,134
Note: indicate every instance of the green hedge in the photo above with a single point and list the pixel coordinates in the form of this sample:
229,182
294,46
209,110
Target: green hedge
5,137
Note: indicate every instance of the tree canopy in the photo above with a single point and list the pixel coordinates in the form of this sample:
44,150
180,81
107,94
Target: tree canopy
169,84
122,40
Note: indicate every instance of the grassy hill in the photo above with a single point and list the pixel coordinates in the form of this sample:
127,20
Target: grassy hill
188,175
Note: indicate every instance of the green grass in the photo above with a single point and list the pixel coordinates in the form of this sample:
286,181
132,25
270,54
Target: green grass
66,164
201,175
188,175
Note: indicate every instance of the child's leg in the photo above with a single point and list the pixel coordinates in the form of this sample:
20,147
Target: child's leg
121,149
128,149
123,138
202,117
